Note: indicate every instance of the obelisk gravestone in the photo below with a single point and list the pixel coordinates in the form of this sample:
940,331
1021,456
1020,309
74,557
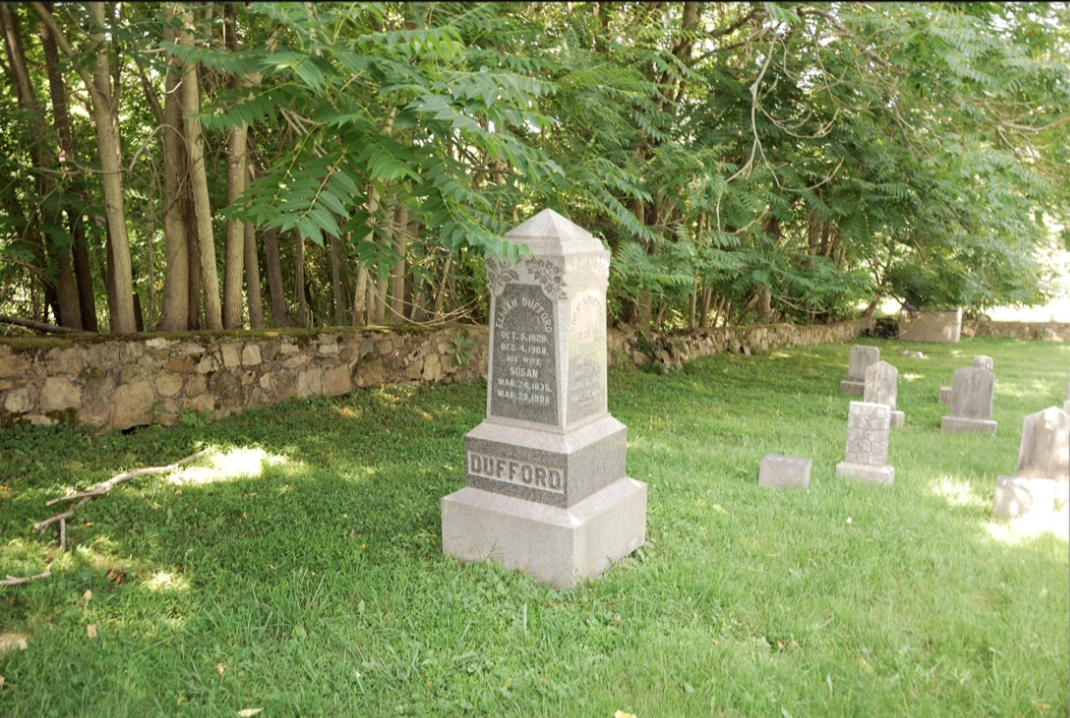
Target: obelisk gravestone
545,488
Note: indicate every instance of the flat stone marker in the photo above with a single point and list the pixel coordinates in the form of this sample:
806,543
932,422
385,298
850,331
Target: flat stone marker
971,402
861,358
782,472
983,362
1043,467
882,387
545,486
866,458
945,395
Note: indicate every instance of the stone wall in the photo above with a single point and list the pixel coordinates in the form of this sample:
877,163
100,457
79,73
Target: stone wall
1048,331
121,382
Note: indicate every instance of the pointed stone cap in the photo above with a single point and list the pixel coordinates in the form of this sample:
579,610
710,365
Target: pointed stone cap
548,234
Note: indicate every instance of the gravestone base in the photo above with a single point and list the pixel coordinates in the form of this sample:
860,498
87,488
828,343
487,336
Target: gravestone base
956,425
1017,497
898,420
552,467
945,395
857,388
784,471
557,546
865,472
1066,406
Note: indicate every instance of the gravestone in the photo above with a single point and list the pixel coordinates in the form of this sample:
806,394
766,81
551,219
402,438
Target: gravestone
1043,467
784,471
545,486
1066,404
861,358
866,457
882,387
971,402
983,362
945,395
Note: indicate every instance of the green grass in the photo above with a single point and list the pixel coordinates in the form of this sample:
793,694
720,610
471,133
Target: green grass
318,587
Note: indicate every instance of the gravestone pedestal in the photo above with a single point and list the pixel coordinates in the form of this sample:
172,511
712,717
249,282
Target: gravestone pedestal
784,471
866,457
546,490
971,402
861,358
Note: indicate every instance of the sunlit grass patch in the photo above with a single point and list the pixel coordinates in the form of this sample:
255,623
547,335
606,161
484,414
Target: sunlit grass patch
237,463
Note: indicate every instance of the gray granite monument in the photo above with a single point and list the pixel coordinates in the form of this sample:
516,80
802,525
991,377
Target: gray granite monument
782,472
971,402
545,488
861,358
983,362
1043,475
882,387
866,457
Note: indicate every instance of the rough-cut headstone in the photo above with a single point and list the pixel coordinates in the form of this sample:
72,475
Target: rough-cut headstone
784,471
545,486
983,362
971,402
861,358
1043,467
945,395
866,457
882,387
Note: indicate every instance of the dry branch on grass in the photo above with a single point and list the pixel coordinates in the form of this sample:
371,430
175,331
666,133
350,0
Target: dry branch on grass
83,498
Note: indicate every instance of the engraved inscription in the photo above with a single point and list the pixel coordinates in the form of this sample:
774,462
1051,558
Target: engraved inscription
523,376
587,344
511,471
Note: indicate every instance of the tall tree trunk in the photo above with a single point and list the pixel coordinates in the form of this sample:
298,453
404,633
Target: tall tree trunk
440,295
191,104
299,279
397,279
707,295
360,296
175,313
193,260
252,279
336,284
274,273
235,249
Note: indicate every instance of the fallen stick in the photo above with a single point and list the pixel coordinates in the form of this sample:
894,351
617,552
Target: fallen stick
17,580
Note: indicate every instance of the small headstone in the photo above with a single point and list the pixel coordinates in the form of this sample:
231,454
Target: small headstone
945,395
971,402
545,487
1066,404
882,387
784,471
861,358
912,355
983,362
1043,467
866,457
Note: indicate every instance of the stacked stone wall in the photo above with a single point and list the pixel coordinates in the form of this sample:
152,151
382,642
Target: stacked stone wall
1048,331
121,382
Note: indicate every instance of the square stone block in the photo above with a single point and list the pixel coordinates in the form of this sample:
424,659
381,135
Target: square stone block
1017,497
945,395
784,471
557,546
856,388
956,425
898,420
864,472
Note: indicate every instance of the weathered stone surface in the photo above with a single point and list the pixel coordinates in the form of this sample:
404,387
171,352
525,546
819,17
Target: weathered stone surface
882,387
523,377
296,361
203,402
250,355
328,347
861,358
19,401
130,351
930,326
59,394
945,395
1066,404
196,385
1017,497
286,349
168,385
370,373
1045,449
558,546
14,365
784,471
866,457
432,368
64,361
971,402
337,381
984,362
208,364
133,405
180,366
231,355
310,382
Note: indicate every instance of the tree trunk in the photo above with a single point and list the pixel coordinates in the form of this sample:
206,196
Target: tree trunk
175,313
440,295
707,295
274,273
252,279
397,280
193,260
299,280
336,285
191,104
360,296
235,250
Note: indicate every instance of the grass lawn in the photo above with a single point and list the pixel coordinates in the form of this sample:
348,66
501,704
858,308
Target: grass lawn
300,570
